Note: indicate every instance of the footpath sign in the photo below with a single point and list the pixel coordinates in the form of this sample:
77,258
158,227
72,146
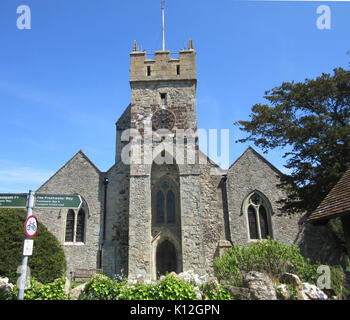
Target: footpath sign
57,201
13,200
31,201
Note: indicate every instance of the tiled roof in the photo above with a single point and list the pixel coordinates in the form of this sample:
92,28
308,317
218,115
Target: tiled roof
337,202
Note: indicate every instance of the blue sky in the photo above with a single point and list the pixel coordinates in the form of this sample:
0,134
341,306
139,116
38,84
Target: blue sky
64,82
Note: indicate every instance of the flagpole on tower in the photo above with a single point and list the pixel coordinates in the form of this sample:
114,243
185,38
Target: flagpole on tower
162,3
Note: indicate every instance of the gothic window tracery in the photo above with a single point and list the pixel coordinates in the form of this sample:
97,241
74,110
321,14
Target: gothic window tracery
258,213
75,225
165,204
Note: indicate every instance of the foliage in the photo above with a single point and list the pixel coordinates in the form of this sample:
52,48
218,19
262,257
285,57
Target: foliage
338,282
38,291
311,120
214,291
47,262
174,288
101,287
268,256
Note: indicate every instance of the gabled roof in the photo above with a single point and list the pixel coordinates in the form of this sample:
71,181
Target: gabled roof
251,149
81,153
336,203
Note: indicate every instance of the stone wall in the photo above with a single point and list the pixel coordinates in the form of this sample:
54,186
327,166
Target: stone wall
249,173
115,247
213,219
77,176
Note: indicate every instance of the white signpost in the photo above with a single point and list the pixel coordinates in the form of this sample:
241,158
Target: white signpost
30,205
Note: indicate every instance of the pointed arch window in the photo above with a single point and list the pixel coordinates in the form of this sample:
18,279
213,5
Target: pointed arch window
70,226
80,226
165,204
258,213
76,225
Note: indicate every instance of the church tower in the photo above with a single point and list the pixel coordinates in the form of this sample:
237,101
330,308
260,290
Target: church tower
156,137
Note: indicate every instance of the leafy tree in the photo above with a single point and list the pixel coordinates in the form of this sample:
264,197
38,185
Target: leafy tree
311,120
48,260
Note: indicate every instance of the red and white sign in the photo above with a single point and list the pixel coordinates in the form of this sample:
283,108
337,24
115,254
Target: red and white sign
31,226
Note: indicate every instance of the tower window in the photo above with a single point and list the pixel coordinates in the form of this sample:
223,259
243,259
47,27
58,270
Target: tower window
148,71
178,69
165,204
163,98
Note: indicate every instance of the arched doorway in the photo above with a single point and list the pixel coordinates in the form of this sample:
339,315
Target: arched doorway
166,258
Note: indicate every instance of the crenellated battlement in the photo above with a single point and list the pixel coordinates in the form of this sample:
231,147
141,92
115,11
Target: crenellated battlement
163,67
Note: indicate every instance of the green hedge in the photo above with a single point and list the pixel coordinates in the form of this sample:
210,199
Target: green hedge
48,260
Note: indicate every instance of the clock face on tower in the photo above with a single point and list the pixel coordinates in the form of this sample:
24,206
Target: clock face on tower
163,119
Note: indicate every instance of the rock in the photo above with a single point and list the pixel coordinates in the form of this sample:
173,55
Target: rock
283,292
66,286
311,292
5,287
294,280
238,293
260,285
77,292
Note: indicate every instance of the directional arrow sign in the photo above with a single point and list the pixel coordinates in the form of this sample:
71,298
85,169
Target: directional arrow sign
13,200
57,201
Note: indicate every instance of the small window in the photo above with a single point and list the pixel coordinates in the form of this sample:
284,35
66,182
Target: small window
163,98
148,71
178,69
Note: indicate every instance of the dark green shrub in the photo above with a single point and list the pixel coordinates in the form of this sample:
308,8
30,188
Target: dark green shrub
269,256
47,262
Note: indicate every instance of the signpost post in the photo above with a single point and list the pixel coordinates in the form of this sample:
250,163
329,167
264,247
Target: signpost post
22,283
31,201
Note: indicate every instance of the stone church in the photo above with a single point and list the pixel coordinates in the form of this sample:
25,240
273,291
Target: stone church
149,217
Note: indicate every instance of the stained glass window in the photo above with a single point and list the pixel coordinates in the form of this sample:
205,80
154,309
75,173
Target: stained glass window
70,226
258,218
264,228
253,227
80,226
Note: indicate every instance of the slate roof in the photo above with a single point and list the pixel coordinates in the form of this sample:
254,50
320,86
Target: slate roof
336,203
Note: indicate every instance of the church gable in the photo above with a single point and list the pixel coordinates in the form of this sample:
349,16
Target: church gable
252,197
78,230
72,176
